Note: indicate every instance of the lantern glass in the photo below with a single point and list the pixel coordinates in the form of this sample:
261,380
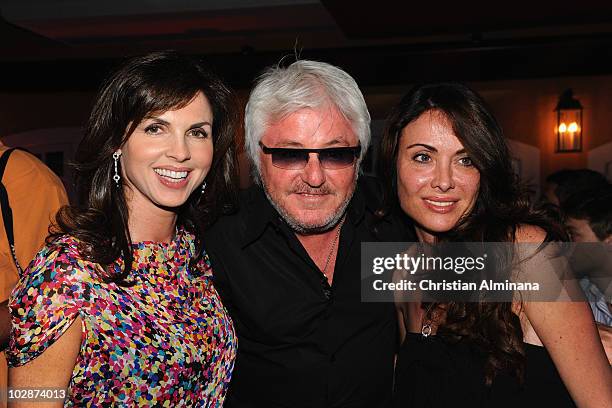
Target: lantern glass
569,130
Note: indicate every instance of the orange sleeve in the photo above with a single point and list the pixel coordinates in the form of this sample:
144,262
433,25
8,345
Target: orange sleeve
35,195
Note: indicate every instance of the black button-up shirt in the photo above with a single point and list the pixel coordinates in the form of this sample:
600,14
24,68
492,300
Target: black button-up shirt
301,342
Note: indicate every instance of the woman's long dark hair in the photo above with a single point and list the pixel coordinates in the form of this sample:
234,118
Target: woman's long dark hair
156,82
501,207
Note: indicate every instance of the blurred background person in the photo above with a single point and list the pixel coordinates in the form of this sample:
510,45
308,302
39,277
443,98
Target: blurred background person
588,218
561,184
31,194
583,198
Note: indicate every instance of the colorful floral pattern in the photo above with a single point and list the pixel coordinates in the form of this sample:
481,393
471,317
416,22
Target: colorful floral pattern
165,341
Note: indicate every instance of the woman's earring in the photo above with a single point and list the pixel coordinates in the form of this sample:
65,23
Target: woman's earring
203,188
116,177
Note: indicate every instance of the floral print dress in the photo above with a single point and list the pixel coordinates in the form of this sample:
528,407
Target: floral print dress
166,340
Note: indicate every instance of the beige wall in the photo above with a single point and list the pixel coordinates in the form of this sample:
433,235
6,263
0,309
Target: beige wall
525,110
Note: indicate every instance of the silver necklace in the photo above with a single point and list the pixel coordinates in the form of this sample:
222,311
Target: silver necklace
426,326
333,245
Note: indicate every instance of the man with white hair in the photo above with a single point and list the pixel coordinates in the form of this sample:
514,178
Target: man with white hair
287,264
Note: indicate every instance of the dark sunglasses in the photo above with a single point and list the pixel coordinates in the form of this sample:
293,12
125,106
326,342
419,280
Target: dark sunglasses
332,158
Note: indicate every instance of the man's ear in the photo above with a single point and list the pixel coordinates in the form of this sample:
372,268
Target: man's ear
608,239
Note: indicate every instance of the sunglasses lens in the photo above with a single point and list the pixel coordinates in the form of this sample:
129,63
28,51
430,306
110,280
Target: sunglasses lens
297,159
291,159
336,158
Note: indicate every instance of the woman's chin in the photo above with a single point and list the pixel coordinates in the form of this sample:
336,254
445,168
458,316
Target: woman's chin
432,229
171,204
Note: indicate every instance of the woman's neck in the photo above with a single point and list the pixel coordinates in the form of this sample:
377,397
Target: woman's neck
148,222
147,227
425,236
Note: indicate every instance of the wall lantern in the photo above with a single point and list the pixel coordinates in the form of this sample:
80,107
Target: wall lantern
569,123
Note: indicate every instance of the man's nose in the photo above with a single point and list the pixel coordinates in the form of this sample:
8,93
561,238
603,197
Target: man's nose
313,173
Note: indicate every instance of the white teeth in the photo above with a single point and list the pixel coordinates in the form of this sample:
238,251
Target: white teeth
176,175
441,203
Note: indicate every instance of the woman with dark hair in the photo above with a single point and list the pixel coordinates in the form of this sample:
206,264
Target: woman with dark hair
452,175
119,308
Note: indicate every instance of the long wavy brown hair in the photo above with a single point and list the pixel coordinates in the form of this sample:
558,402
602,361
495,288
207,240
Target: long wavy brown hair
156,82
501,207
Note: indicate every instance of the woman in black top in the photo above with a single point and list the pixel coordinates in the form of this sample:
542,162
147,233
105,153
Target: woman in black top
453,176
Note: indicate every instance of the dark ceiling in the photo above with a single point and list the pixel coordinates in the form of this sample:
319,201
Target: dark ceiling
70,44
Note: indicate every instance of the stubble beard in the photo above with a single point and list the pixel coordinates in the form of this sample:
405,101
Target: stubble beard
309,228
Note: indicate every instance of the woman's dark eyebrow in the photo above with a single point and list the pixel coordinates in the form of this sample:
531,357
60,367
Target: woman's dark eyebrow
428,147
433,149
165,122
200,124
155,118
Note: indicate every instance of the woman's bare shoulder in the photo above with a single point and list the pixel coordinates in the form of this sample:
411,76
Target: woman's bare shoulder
529,233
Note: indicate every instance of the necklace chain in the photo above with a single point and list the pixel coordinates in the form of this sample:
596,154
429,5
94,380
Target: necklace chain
333,246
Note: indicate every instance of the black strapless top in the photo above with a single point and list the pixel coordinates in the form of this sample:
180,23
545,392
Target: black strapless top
433,373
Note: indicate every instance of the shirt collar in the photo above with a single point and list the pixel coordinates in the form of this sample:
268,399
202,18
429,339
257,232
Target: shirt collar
261,214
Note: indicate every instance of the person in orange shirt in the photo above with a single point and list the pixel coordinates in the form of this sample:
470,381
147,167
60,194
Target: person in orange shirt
35,194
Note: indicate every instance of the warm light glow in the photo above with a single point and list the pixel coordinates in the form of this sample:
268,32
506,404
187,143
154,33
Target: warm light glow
569,123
